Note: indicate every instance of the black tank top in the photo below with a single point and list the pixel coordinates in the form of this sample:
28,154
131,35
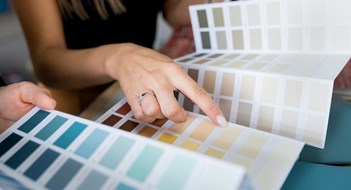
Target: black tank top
136,25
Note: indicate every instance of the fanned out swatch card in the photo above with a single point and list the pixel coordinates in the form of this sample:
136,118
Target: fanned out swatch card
54,150
271,64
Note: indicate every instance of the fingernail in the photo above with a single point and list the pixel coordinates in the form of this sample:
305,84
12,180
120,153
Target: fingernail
221,121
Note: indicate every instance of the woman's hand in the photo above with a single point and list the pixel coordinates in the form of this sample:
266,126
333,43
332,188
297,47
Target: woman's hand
18,98
149,80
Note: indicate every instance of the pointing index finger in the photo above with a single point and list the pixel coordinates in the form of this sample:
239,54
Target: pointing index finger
201,98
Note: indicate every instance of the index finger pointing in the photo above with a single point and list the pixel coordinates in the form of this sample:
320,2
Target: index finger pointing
201,98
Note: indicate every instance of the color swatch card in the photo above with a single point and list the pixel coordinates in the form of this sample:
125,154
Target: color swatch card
265,92
271,64
268,158
53,150
273,26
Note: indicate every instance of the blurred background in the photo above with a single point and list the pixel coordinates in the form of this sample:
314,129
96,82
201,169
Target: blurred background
14,56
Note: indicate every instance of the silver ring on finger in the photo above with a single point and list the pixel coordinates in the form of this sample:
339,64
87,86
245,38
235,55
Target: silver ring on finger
143,95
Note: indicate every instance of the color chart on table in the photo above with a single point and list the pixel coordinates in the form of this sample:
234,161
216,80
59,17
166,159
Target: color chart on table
268,158
271,64
53,150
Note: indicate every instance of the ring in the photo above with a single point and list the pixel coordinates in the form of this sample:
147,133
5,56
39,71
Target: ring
143,95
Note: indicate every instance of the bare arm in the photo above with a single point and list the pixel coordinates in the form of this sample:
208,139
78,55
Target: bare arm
53,62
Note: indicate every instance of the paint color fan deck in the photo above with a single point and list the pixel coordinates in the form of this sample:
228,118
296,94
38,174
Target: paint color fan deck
271,64
54,150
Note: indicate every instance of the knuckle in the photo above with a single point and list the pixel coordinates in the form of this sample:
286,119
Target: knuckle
171,112
139,115
173,68
142,117
151,109
25,83
27,86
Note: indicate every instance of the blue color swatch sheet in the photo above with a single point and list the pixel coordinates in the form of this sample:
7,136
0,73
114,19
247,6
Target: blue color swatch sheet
54,150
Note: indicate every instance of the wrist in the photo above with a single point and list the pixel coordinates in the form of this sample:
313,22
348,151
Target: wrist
118,56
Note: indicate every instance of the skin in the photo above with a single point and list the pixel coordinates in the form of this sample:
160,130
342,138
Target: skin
136,68
18,98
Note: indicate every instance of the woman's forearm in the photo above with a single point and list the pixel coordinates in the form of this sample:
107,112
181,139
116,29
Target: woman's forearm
82,68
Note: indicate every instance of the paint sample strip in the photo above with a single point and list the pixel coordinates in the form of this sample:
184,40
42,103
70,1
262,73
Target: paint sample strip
297,64
235,144
271,26
124,160
269,95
